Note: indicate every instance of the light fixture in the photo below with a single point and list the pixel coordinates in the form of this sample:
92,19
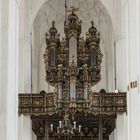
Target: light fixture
116,91
66,127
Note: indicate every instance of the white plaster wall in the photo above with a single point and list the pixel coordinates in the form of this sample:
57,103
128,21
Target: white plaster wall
112,136
25,42
133,95
3,67
121,50
8,69
121,127
128,70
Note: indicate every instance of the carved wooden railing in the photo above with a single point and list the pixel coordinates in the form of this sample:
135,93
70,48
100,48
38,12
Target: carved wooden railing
46,103
36,104
108,103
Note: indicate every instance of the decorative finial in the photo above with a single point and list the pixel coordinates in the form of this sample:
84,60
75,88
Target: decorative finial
92,29
53,30
72,9
53,23
92,23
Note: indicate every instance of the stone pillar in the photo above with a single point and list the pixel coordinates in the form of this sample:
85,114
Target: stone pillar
24,122
9,10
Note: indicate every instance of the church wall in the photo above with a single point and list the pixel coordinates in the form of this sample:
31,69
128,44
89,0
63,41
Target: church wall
133,94
8,69
111,137
121,54
120,68
128,71
4,70
25,43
